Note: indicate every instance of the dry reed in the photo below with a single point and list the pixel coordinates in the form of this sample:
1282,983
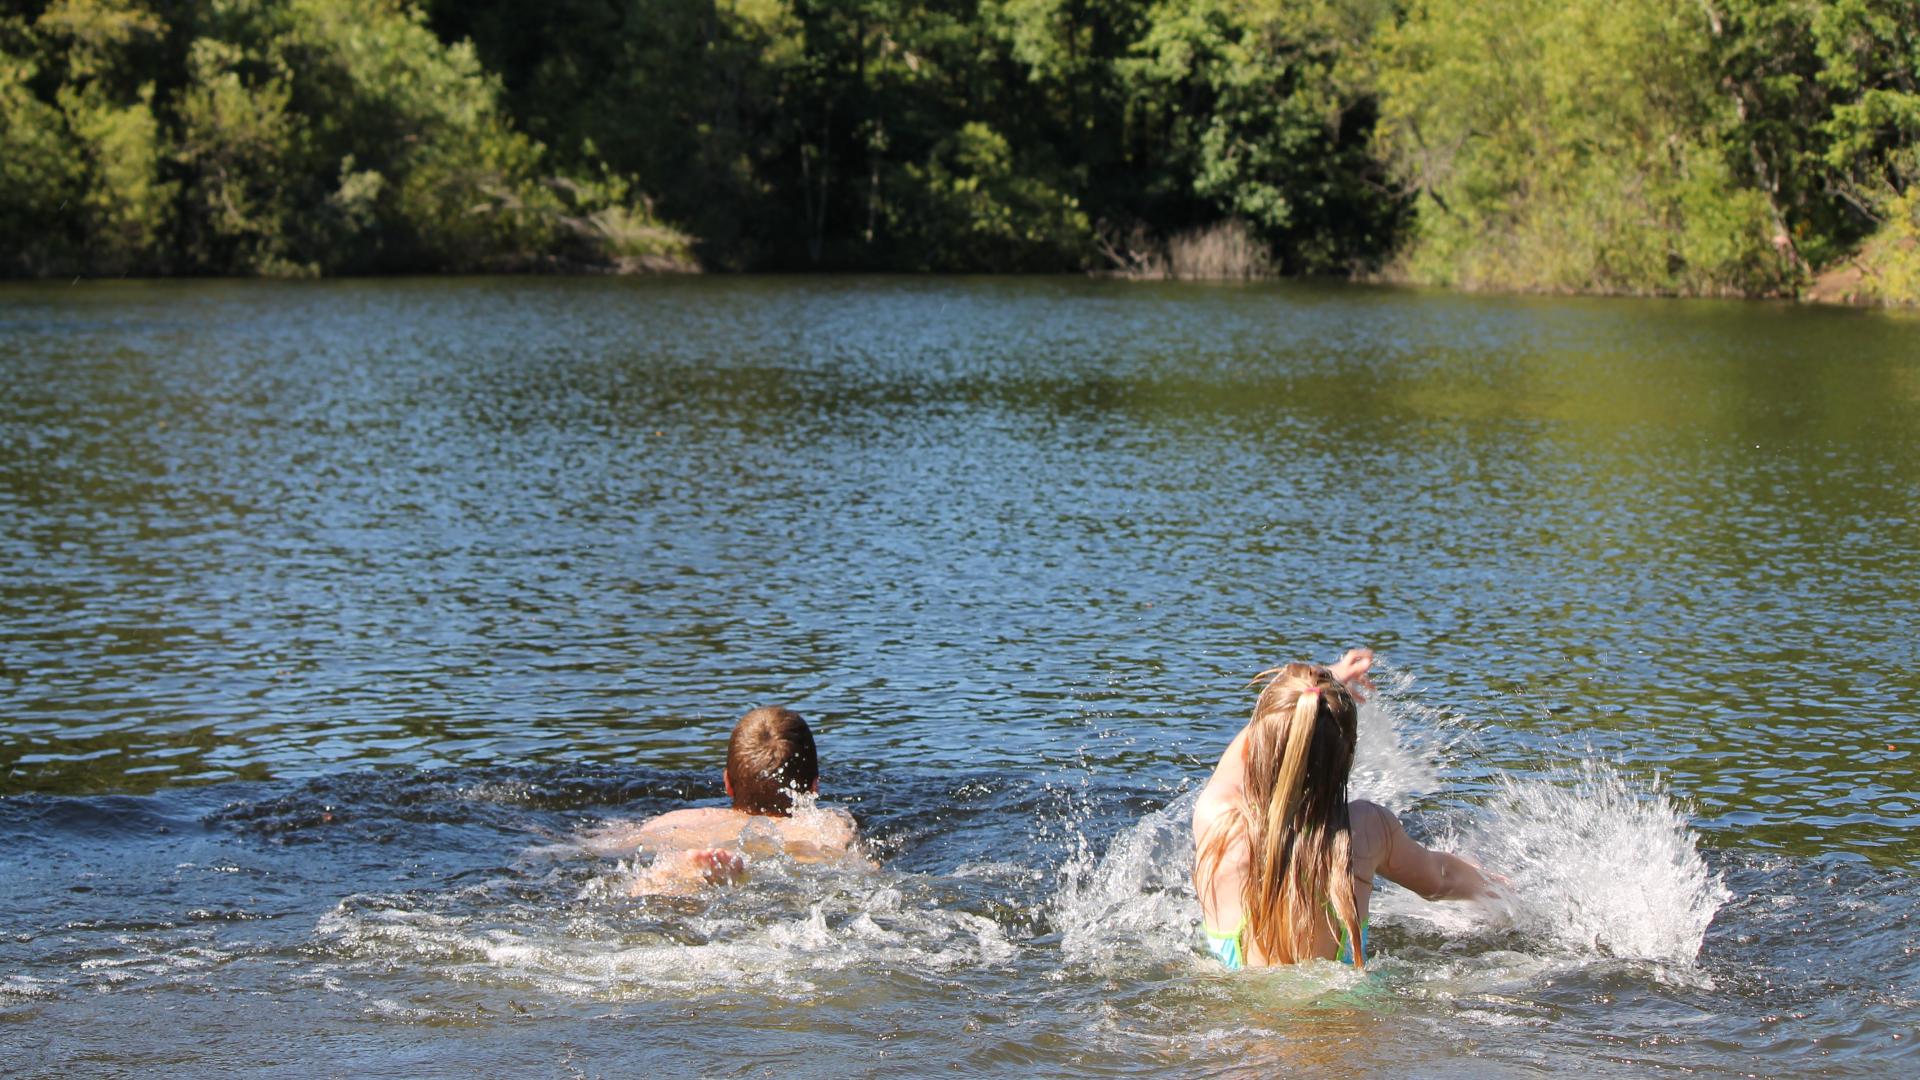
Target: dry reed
1223,251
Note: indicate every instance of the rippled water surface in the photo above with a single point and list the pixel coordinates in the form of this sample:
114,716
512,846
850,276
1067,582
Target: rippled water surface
332,614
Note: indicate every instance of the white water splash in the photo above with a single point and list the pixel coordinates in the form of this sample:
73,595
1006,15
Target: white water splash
1400,746
790,925
1135,903
1599,866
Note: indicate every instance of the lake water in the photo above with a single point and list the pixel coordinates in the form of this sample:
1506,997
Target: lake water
331,614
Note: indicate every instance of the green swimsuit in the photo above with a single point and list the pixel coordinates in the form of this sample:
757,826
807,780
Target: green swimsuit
1231,949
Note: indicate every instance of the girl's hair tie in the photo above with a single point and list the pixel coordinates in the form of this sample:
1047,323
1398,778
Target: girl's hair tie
1309,690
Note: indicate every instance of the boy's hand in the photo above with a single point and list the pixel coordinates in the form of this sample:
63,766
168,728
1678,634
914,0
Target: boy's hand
718,866
1352,669
681,873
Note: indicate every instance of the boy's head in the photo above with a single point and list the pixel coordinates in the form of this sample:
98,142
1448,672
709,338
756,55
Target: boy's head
769,758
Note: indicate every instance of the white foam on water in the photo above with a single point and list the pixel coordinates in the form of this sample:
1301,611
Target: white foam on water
996,871
28,987
755,937
789,924
148,962
1494,1019
389,1009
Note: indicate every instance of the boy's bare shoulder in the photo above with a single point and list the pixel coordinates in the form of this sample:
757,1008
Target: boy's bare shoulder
700,826
693,817
818,832
840,827
810,834
824,823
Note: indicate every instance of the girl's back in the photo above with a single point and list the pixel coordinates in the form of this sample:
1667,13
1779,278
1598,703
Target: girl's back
1221,893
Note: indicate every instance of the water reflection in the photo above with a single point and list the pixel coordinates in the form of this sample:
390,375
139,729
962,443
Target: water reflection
259,530
1015,564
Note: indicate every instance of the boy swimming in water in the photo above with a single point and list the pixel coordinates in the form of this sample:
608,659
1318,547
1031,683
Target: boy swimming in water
772,771
1284,863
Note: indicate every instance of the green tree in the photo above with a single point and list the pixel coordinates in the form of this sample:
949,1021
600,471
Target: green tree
40,167
1829,124
1870,54
330,135
1572,146
1262,109
678,96
245,153
1871,66
968,207
115,202
1669,146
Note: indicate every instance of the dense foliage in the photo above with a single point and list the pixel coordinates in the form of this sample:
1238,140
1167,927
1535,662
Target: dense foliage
1655,145
1665,146
274,137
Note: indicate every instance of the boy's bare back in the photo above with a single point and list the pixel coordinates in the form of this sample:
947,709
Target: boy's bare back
809,835
771,775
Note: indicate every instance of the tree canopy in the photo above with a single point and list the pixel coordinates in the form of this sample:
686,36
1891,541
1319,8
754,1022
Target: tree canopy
1644,146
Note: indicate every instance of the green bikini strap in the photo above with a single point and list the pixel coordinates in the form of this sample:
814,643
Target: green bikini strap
1232,935
1340,932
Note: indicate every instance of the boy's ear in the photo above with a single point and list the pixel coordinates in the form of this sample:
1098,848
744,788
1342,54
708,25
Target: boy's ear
726,781
816,785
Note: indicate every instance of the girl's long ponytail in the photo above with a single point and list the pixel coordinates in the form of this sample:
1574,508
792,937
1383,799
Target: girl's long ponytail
1299,754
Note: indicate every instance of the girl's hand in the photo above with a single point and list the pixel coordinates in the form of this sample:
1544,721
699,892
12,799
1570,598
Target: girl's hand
1352,669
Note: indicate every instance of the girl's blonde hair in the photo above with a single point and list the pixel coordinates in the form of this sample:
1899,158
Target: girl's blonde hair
1293,817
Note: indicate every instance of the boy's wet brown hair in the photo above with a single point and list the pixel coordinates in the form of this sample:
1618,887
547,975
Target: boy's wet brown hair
769,758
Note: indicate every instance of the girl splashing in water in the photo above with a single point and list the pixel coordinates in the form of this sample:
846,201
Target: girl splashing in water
1284,864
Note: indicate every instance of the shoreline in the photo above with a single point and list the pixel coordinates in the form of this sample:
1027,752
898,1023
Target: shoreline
1837,287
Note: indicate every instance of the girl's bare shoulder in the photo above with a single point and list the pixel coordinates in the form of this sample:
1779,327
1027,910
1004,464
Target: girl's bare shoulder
1368,824
1218,799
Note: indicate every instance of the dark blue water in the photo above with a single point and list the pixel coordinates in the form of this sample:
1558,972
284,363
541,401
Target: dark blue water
331,613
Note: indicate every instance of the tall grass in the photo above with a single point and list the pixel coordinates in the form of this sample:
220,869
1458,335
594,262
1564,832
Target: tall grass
1223,251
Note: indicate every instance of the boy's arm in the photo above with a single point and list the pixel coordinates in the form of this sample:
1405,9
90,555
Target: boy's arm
1435,875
